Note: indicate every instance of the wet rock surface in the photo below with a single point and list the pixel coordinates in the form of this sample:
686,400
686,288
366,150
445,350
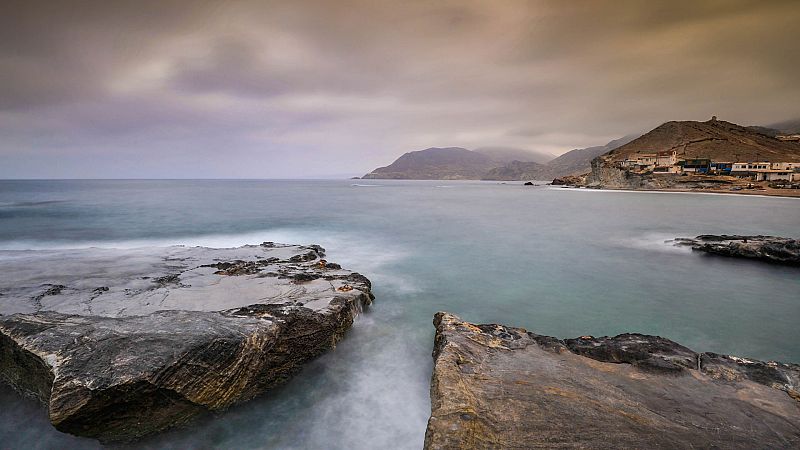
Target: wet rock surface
119,344
772,249
500,387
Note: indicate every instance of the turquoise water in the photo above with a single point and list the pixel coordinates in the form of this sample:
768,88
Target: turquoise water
555,261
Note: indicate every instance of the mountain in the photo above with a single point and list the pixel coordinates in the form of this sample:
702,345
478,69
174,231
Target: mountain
714,139
509,154
579,160
449,163
491,163
786,127
520,170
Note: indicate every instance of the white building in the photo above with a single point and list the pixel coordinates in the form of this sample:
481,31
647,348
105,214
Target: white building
659,162
767,171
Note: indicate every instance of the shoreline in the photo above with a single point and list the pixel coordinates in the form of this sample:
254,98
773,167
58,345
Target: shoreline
769,193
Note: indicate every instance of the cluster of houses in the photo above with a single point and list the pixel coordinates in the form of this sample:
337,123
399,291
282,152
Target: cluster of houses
668,162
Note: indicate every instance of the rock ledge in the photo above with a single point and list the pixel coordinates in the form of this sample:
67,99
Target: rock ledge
501,387
772,249
120,344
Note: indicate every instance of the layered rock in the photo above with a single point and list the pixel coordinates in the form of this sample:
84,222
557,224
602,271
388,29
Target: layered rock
500,387
123,343
772,249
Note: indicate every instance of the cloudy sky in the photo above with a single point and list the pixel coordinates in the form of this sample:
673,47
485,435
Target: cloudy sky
287,89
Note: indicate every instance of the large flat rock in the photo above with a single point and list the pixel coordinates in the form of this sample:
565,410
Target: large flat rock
123,343
501,387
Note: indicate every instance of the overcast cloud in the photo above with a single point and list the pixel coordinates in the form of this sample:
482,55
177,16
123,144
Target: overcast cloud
326,88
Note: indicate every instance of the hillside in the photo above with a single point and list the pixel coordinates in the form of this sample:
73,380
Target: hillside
520,170
714,139
786,127
579,160
449,163
505,155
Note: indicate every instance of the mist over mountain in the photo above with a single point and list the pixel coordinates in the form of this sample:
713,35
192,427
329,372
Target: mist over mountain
716,139
436,163
787,126
509,154
491,163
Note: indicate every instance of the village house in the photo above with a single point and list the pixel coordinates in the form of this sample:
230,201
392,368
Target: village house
767,171
659,162
668,163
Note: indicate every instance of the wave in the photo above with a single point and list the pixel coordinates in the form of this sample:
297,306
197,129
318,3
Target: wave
659,242
366,185
368,255
29,204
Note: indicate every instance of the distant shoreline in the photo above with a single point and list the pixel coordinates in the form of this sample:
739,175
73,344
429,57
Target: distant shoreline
767,193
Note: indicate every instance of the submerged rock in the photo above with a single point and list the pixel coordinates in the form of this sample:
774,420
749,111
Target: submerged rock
777,250
120,344
501,387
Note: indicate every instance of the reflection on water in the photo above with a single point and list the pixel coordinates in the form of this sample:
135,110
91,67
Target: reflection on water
554,261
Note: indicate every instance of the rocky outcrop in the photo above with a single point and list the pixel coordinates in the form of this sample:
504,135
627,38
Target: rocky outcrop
500,387
569,180
772,249
123,343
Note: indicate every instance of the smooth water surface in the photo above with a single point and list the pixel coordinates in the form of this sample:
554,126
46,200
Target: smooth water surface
555,261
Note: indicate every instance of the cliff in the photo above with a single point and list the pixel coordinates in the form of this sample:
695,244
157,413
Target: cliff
501,387
119,344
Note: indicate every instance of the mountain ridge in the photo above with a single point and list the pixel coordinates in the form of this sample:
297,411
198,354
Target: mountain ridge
489,163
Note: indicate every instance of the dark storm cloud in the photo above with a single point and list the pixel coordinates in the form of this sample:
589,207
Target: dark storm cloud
284,89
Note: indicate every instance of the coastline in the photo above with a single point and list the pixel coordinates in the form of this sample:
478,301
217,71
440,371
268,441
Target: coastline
766,193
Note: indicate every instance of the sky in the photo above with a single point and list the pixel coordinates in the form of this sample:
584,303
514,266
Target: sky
315,89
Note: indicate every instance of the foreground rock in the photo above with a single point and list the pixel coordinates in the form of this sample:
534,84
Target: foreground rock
771,249
500,387
123,343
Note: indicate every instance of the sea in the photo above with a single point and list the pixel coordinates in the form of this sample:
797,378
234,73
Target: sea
556,261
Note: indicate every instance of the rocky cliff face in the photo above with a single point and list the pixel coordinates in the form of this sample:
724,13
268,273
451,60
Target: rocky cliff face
500,387
123,343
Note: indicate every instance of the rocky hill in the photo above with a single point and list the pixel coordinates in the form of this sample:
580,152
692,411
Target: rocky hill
714,139
450,163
